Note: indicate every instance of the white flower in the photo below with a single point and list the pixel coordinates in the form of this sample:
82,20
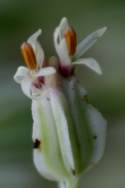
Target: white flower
68,133
68,50
53,147
33,77
87,119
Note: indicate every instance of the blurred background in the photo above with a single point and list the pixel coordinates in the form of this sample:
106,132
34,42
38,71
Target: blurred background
18,20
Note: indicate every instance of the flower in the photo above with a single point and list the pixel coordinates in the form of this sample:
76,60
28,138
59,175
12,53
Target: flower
68,132
53,148
33,77
69,52
84,114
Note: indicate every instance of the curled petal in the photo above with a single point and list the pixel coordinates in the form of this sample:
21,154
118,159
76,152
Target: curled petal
61,47
33,40
90,63
21,74
89,41
64,26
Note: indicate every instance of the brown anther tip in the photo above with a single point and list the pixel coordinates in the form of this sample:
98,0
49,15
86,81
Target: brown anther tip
28,55
71,40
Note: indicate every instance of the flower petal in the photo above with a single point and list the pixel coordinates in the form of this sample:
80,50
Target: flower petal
61,47
21,73
90,63
53,167
65,130
26,86
89,41
78,110
98,126
46,71
37,47
64,26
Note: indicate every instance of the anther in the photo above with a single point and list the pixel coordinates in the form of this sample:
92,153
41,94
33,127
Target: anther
29,56
71,41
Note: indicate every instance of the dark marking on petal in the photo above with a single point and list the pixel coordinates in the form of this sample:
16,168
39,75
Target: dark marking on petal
66,70
85,97
58,39
38,83
36,144
48,99
74,172
94,137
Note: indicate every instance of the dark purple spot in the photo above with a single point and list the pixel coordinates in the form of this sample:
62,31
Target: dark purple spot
66,70
38,83
41,79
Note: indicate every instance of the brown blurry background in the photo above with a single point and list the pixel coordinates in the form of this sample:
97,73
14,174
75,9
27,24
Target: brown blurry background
19,19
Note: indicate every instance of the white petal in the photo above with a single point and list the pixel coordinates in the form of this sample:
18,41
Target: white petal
89,41
21,73
47,158
36,46
64,26
46,71
90,63
98,126
26,86
38,155
42,167
75,94
62,122
61,47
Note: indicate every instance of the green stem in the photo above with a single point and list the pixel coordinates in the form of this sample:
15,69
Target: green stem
69,184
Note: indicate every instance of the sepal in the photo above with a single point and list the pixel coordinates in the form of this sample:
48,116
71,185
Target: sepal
89,41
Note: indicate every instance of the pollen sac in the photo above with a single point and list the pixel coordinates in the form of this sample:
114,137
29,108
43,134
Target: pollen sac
29,56
71,40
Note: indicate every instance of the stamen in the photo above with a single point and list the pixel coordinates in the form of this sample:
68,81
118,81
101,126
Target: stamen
71,41
29,56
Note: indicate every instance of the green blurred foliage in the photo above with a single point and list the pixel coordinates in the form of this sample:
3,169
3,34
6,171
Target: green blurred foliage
19,19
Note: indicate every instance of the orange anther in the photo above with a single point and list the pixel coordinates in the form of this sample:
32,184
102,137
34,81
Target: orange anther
71,41
29,56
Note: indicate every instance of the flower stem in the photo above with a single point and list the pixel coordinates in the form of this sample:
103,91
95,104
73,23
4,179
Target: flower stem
69,184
